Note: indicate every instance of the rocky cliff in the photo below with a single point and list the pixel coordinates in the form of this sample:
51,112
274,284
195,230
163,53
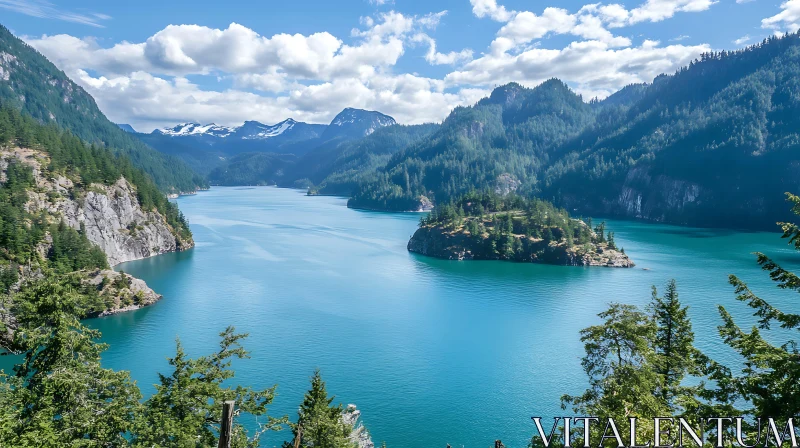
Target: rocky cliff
437,241
109,214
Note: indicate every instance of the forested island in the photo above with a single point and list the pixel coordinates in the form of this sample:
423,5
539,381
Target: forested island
488,226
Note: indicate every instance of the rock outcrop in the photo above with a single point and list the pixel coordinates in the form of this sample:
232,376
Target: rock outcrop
109,214
121,292
359,435
436,241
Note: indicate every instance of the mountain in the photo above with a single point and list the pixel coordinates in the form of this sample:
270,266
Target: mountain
251,136
356,123
339,169
235,155
715,144
494,145
126,127
32,84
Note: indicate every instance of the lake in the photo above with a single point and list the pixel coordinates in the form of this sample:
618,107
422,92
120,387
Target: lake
431,351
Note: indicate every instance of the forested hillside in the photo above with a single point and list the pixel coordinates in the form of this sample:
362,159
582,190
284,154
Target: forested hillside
33,235
498,144
715,144
338,169
31,83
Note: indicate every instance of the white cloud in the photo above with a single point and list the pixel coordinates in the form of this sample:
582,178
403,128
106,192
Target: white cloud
381,2
787,20
489,8
148,102
591,67
658,10
744,1
680,38
742,40
436,58
190,49
46,10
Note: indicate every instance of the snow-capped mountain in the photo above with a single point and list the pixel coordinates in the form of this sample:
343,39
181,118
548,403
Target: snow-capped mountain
287,130
206,146
186,129
356,123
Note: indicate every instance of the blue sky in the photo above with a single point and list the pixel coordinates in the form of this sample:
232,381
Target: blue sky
154,64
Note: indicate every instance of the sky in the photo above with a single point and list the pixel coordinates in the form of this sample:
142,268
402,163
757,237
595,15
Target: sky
154,64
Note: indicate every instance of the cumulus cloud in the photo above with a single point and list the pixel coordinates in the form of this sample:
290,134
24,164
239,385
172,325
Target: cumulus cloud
489,8
435,58
658,10
147,101
46,10
181,50
742,40
787,20
593,67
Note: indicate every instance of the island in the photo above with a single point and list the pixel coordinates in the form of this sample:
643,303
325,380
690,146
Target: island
488,226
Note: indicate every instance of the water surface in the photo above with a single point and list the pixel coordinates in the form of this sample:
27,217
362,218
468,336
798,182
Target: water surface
431,351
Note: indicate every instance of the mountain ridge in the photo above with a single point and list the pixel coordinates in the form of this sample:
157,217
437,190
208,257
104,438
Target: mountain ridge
34,85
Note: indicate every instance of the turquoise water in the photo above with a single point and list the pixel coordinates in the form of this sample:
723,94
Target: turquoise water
431,351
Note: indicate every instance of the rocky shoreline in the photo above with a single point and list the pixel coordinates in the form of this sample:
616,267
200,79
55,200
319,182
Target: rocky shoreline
436,241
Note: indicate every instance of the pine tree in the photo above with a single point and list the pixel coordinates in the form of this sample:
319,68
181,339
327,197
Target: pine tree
674,354
185,409
60,395
770,376
319,423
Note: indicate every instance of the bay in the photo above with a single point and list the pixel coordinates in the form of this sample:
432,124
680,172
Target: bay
432,351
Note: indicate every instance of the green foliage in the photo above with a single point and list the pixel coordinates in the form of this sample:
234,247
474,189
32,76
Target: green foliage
185,410
722,130
46,94
319,422
718,132
261,168
511,227
769,377
59,394
674,355
339,170
636,362
508,134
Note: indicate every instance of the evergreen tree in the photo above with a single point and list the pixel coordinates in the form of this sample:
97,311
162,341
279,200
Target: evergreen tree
185,410
674,352
769,380
319,422
60,395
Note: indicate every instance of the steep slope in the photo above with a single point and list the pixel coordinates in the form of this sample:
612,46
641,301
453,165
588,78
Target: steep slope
715,144
31,83
69,210
498,144
337,169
